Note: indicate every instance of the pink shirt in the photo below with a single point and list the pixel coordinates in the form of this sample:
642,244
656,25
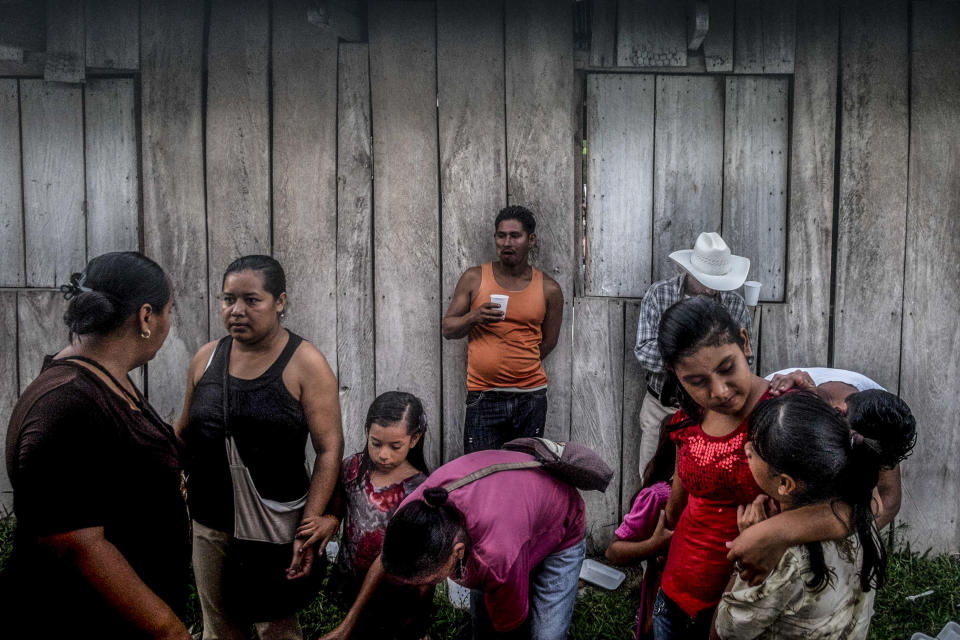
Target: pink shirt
514,519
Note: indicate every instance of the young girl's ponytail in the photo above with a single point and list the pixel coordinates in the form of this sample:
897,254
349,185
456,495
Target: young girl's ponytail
860,476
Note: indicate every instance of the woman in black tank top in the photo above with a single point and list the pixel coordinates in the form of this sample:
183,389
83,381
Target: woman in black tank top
280,390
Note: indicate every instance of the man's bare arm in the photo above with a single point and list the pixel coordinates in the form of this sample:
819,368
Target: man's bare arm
459,319
552,321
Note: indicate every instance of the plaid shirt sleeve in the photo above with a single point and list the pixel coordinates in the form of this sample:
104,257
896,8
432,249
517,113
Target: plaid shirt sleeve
646,349
738,310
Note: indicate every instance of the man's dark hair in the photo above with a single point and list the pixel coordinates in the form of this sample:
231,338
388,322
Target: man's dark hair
516,212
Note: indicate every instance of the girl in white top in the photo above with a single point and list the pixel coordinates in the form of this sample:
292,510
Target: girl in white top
801,452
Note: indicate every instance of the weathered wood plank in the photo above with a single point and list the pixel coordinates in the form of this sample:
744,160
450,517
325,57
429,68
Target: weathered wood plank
11,187
797,332
174,226
541,116
931,335
113,34
755,177
688,166
765,36
406,230
66,43
305,171
472,167
355,332
634,387
40,331
9,374
603,34
598,405
237,139
718,44
52,130
113,181
873,190
620,117
651,33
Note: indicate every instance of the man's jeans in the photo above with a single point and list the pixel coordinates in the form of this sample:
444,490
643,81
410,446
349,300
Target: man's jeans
495,417
671,622
553,592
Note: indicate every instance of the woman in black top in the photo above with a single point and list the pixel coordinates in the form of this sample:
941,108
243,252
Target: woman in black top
102,540
281,390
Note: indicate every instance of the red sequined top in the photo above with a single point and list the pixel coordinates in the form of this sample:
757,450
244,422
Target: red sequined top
715,473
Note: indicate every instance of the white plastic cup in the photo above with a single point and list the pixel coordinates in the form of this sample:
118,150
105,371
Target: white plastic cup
458,596
751,292
500,301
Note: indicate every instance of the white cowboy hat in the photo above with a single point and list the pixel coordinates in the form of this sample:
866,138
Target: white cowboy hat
712,264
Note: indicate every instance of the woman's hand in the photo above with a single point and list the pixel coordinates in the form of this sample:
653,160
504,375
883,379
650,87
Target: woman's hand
797,380
318,529
302,562
755,554
757,511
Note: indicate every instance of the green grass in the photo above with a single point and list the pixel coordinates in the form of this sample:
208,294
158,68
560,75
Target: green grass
610,615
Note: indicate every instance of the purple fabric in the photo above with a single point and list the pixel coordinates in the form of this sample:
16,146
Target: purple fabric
640,524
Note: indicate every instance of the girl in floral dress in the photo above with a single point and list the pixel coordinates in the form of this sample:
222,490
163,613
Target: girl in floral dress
373,483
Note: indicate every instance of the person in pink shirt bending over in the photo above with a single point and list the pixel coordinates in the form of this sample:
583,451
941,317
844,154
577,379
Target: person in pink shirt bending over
516,538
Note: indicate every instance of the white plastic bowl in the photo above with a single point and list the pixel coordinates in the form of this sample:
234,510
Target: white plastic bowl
601,575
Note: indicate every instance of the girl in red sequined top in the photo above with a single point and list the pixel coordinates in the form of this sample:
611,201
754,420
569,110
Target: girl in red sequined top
707,352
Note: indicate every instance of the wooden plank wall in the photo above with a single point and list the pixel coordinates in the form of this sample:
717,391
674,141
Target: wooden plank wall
241,133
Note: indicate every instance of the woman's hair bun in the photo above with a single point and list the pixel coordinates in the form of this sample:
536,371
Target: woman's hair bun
91,312
435,496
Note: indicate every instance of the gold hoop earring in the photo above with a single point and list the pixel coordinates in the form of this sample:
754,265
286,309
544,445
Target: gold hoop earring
145,334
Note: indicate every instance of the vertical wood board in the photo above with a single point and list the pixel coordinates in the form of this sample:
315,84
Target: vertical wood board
755,177
174,225
305,171
651,33
237,139
541,117
931,334
603,33
620,117
112,174
765,36
11,187
597,418
65,59
873,190
688,166
10,389
797,333
406,230
355,331
473,180
718,43
112,34
634,388
41,331
53,176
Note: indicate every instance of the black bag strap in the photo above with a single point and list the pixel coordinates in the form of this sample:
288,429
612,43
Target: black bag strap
226,386
489,470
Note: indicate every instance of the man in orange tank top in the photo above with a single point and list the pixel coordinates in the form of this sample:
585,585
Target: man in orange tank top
511,312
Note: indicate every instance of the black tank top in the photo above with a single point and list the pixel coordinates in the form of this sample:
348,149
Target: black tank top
270,430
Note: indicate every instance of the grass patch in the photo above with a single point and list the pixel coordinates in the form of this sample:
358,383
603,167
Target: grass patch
611,615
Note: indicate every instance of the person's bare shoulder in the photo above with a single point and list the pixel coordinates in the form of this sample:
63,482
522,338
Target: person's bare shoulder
309,360
551,288
198,364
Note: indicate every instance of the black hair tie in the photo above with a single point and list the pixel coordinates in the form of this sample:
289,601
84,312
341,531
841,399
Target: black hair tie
435,496
75,286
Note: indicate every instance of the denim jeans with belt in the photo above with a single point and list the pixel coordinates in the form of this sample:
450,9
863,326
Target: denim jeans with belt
553,593
671,622
495,417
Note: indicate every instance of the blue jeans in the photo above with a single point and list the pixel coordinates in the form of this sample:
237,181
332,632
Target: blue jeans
670,621
495,417
553,592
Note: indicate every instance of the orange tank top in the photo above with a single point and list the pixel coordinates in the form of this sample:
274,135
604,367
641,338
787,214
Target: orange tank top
506,354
